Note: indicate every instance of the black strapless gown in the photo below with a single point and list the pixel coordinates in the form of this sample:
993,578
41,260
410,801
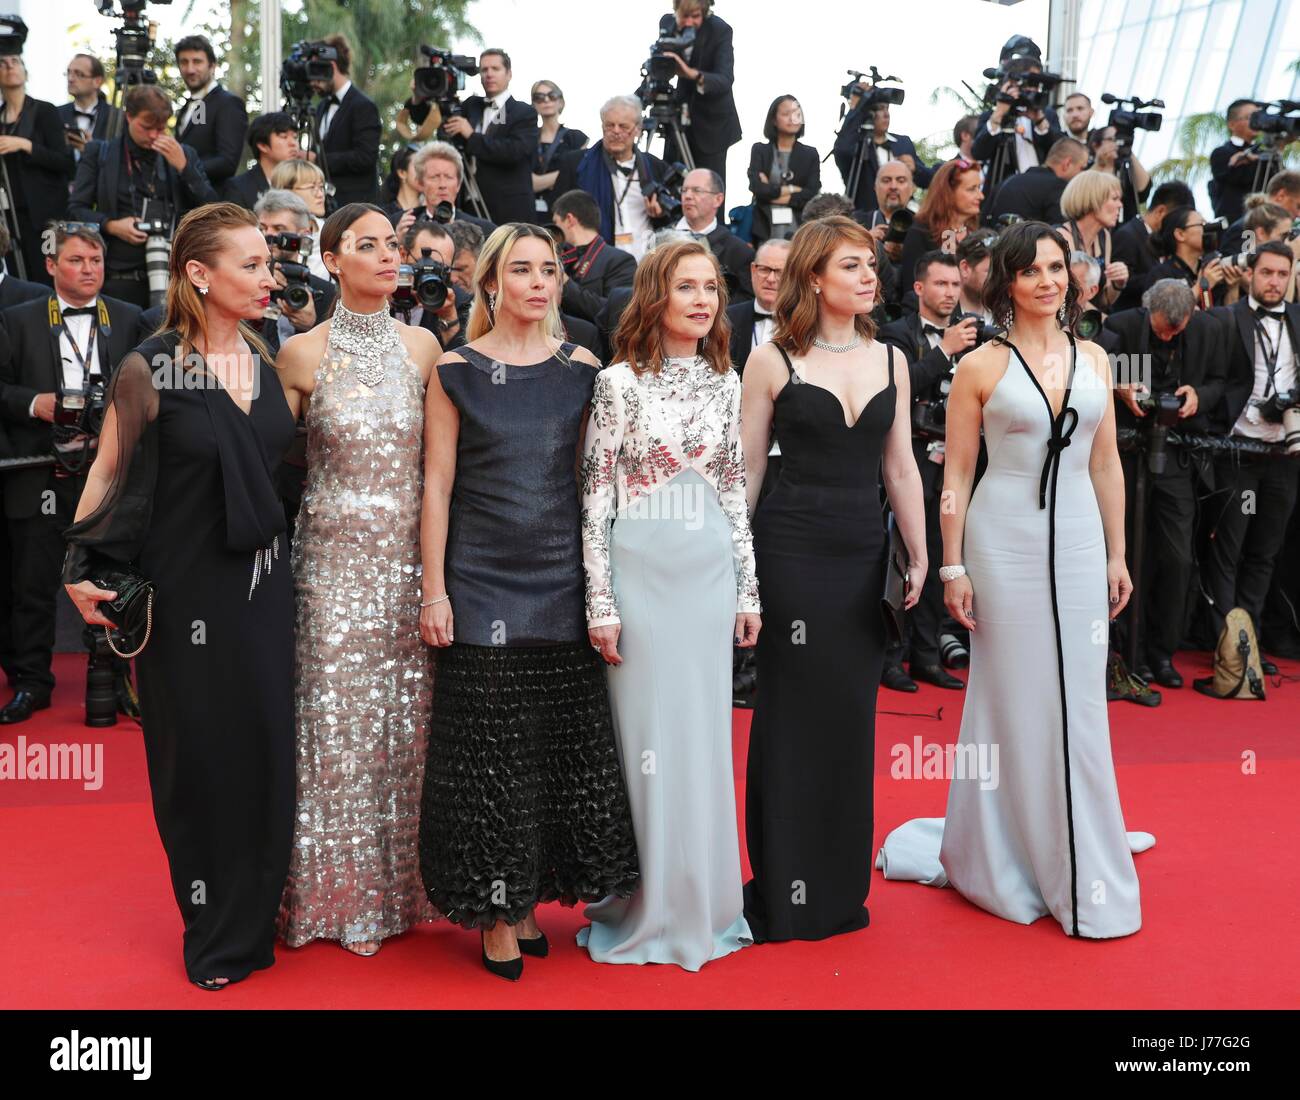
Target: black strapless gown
820,549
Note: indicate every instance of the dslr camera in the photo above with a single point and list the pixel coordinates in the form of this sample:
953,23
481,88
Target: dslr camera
424,283
1162,414
291,261
443,78
669,193
13,35
1283,407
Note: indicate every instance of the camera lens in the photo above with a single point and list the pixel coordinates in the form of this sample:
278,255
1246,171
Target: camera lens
296,296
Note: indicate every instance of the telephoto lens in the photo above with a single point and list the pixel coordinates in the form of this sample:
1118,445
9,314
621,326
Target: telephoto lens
952,653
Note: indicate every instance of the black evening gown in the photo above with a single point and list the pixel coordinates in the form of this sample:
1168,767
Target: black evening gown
194,504
819,547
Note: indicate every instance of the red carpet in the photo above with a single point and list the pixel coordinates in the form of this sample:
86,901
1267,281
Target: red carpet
90,923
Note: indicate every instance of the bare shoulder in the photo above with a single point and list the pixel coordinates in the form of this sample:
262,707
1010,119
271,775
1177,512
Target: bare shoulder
298,357
982,367
1098,360
421,344
766,368
583,355
452,356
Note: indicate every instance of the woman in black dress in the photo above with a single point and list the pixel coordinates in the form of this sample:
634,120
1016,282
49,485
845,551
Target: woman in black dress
839,404
184,488
784,173
556,145
950,210
524,800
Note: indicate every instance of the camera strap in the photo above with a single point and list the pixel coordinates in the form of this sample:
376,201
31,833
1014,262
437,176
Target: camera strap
1271,351
594,249
99,321
544,157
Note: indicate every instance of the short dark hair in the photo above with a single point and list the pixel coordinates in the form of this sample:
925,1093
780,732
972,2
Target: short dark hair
1287,180
263,126
466,235
96,66
769,125
425,225
1078,95
1068,148
195,42
929,259
827,204
493,51
1170,194
147,99
581,205
343,48
967,124
82,231
1236,105
1270,248
974,247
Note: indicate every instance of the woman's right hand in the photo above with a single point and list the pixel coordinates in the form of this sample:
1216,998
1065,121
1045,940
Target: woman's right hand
435,624
959,599
88,597
605,639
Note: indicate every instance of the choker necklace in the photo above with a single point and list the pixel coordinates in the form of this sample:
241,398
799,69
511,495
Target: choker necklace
366,337
838,349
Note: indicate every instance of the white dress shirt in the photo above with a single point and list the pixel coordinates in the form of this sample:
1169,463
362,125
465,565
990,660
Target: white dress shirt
195,99
74,378
632,229
685,227
492,110
1250,423
327,119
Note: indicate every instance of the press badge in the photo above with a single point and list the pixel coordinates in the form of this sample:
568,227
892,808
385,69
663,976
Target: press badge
539,204
623,240
782,215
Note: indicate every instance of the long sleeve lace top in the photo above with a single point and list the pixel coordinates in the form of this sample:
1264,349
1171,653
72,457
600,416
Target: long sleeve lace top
645,429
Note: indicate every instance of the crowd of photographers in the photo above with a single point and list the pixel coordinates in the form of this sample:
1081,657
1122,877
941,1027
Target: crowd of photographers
1200,314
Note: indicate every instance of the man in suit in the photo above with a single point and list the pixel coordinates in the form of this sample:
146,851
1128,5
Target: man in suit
1077,114
438,170
1283,190
212,120
1258,494
14,290
1035,194
973,264
88,116
1131,242
865,134
1233,164
702,206
931,346
1179,349
592,268
272,138
347,130
115,179
1008,140
621,178
499,135
66,343
751,321
706,72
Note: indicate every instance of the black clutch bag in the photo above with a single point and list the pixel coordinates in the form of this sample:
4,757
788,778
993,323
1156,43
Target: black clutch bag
131,612
891,601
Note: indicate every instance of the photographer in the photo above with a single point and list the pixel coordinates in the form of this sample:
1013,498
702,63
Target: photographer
284,212
1013,137
305,180
438,171
89,116
450,321
555,143
973,264
348,130
783,172
1035,194
71,339
592,268
1283,190
37,165
1261,402
702,207
932,346
499,135
212,120
272,139
1182,242
865,133
1135,180
1168,351
144,171
1132,243
704,86
1091,203
468,239
1233,164
624,180
1077,112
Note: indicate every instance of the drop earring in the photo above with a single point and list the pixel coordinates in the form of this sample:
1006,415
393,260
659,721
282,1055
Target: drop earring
1008,316
1060,316
492,302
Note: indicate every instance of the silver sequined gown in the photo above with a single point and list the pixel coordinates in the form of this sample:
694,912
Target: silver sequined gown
363,675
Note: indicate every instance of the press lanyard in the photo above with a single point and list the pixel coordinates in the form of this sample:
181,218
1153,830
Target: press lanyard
618,206
1271,351
90,349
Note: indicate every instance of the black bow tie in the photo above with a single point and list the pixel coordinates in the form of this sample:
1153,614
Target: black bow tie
1261,311
927,329
332,99
84,114
759,315
80,311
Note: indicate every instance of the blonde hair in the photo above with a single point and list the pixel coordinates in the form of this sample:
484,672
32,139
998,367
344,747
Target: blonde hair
1088,192
295,172
491,269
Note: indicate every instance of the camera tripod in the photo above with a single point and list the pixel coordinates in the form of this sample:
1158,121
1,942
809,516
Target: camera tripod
864,145
1266,167
668,124
10,213
309,139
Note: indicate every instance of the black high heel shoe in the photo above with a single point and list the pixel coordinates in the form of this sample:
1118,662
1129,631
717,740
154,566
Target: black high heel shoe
538,947
510,969
210,984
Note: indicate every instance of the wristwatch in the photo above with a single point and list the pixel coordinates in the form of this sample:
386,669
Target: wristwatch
951,572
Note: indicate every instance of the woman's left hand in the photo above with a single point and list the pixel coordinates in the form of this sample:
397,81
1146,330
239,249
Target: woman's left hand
915,581
1117,580
748,624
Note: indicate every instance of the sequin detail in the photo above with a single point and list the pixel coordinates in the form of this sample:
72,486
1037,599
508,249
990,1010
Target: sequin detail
364,682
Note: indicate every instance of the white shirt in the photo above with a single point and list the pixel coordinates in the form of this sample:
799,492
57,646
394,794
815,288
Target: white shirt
1026,154
632,229
1250,423
74,379
492,108
327,119
195,99
685,226
315,261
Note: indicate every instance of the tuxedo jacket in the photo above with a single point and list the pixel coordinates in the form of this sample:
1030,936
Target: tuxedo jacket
1131,244
898,145
714,122
735,256
31,363
1034,195
247,187
1201,362
585,297
985,147
926,366
216,133
13,291
350,147
805,167
503,159
741,316
94,191
1237,325
1229,186
591,174
105,114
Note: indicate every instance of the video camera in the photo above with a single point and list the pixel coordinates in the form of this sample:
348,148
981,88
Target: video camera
13,35
1127,121
900,221
871,94
307,62
443,79
294,248
134,39
1275,124
1022,61
659,70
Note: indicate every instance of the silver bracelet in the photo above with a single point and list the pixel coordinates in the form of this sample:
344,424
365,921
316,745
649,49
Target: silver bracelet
951,572
438,600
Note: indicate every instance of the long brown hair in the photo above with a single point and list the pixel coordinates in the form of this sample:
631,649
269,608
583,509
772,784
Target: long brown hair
1015,249
200,236
938,209
638,340
797,305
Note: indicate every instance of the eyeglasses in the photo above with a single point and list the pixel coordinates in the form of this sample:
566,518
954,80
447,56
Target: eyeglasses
545,97
765,272
79,75
618,128
699,191
311,187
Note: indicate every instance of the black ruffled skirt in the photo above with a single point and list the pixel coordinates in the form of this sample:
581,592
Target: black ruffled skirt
524,799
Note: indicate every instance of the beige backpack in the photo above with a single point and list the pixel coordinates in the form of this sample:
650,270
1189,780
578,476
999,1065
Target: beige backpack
1237,670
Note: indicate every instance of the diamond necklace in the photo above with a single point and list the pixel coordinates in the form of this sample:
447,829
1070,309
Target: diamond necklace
838,349
366,337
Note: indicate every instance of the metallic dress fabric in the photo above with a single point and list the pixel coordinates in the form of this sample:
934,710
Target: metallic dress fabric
364,680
